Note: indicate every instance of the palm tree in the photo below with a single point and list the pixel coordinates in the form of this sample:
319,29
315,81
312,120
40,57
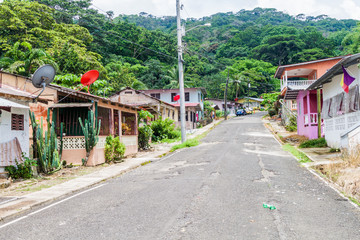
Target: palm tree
23,59
173,75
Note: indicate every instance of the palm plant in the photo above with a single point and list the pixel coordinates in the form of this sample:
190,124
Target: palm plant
23,59
173,75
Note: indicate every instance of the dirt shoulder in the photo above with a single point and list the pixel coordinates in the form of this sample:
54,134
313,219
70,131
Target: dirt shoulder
339,168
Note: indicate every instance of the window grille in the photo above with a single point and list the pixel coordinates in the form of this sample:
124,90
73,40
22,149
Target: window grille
17,122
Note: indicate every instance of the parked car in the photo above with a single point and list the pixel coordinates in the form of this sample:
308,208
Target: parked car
248,110
240,112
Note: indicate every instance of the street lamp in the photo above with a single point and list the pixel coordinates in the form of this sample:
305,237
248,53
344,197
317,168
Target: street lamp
185,31
181,32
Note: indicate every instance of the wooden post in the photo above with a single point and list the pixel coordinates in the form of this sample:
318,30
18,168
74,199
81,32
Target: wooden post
318,93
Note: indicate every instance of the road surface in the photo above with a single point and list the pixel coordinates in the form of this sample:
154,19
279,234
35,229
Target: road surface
213,191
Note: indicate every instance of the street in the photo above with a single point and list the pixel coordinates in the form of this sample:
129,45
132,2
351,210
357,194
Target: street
213,191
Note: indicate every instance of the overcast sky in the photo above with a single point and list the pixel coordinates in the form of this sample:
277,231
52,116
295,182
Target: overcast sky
340,9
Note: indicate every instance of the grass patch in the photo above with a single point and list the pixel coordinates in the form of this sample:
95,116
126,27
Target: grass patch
144,163
188,143
354,200
302,158
34,189
314,143
166,140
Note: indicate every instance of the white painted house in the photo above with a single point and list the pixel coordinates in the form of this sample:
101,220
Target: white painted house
194,102
14,127
341,110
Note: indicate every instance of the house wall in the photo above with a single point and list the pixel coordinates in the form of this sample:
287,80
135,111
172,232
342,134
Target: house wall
6,134
195,95
221,104
74,148
189,125
139,99
310,131
321,68
336,125
25,84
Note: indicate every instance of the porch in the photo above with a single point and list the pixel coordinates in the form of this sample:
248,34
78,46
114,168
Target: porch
116,119
308,119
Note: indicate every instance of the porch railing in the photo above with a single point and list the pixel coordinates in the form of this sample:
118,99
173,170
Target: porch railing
286,113
314,121
296,84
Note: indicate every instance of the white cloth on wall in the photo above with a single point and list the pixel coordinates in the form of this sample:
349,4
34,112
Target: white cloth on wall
9,151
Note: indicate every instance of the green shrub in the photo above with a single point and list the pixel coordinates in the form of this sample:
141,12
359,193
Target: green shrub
314,143
272,112
292,126
21,170
145,133
333,150
163,129
114,149
219,113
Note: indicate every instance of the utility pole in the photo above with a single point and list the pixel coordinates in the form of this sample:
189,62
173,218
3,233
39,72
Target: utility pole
248,93
225,97
181,73
318,92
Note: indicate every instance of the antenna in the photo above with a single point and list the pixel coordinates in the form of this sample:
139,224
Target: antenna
89,78
42,77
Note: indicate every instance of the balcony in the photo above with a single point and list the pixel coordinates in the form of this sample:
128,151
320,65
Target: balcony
295,84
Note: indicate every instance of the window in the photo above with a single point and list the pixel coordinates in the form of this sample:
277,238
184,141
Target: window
128,123
128,92
353,99
199,97
173,115
187,97
172,96
17,122
155,95
104,116
191,116
186,116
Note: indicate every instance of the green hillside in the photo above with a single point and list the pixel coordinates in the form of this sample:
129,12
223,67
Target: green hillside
140,50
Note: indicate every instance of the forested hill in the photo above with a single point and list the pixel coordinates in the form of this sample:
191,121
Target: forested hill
242,19
140,50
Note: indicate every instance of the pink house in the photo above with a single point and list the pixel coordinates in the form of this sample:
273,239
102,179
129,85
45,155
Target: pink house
299,102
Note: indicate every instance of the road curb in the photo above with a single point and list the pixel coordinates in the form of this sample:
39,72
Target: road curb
18,209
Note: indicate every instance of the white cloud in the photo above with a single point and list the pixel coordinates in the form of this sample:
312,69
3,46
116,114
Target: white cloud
351,9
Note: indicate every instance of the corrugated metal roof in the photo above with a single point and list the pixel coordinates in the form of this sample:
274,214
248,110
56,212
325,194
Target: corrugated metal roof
7,103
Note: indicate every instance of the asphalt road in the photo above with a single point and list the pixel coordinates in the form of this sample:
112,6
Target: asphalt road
213,191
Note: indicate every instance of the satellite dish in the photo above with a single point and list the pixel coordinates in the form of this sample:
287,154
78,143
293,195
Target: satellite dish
89,78
42,77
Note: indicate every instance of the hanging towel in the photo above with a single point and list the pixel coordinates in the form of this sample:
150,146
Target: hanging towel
9,151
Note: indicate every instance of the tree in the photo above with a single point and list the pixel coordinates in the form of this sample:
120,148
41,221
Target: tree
278,49
351,42
124,75
66,10
24,60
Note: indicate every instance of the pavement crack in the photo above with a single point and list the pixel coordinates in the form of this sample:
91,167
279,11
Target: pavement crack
265,173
